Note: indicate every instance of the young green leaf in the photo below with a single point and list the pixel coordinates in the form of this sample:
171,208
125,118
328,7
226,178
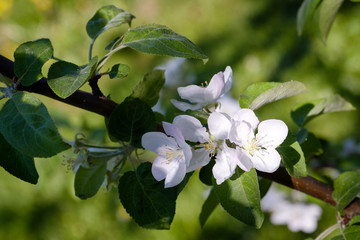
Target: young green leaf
208,207
325,16
259,94
65,78
149,88
160,40
29,59
88,180
119,71
27,126
146,200
16,163
305,112
130,120
346,188
241,198
306,10
105,18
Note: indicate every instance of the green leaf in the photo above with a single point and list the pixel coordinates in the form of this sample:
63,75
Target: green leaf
88,180
241,198
346,188
28,127
29,59
354,0
350,233
208,207
206,175
149,88
160,40
325,16
16,163
264,186
119,71
112,44
306,9
311,146
293,157
305,112
105,18
146,200
65,78
355,220
259,94
130,120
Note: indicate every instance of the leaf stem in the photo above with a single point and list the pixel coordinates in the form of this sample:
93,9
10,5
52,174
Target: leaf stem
327,231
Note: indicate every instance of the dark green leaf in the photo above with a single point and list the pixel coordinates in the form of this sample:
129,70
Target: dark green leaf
28,127
305,112
293,157
16,163
311,146
355,220
325,16
160,40
29,59
241,198
119,71
130,120
208,207
206,175
105,18
65,78
149,88
146,200
259,94
346,188
88,180
112,44
264,186
306,10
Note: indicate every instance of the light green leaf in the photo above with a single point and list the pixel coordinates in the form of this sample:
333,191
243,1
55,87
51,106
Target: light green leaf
241,198
119,71
305,112
16,163
208,207
346,188
259,94
325,16
149,88
355,220
105,18
27,126
160,40
29,59
306,9
65,78
88,180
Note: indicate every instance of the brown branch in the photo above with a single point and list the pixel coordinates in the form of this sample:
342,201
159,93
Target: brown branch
104,106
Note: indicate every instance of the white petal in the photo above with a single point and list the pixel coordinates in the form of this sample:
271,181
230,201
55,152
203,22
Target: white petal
225,164
228,79
246,115
272,132
215,89
191,128
160,168
183,106
228,105
154,140
199,158
243,161
175,176
173,131
266,160
240,133
187,152
219,125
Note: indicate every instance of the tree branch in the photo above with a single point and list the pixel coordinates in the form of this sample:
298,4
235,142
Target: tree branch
104,107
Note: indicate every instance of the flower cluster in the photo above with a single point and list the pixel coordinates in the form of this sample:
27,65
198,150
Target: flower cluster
239,140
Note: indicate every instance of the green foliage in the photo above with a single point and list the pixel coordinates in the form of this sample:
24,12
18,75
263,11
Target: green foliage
65,78
119,71
16,163
26,125
29,59
149,88
240,197
89,179
130,120
208,207
306,10
206,175
346,188
160,40
259,94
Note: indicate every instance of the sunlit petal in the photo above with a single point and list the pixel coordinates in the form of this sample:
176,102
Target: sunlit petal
191,128
266,160
272,132
183,106
175,175
154,140
246,115
228,79
219,125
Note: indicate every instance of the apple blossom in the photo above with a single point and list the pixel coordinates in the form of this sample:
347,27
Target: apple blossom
200,96
174,154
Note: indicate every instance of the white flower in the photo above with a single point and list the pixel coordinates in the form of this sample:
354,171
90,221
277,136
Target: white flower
200,96
258,149
174,154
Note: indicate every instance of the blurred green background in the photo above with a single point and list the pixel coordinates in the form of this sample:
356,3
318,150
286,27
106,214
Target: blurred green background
257,38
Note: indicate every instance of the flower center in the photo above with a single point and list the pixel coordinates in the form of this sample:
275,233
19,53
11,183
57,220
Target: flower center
210,146
171,153
255,144
204,85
